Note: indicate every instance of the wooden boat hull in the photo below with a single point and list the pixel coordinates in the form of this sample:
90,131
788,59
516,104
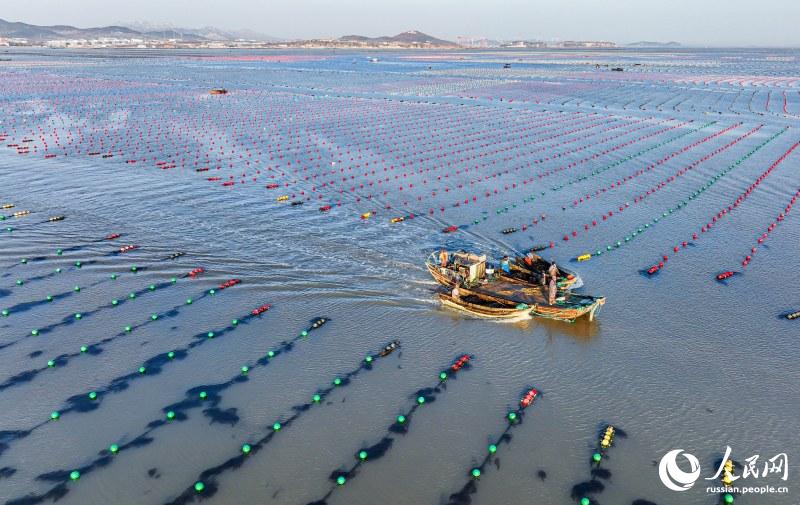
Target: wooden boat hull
482,310
568,312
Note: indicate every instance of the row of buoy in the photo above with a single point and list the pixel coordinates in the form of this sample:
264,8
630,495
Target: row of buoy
672,178
580,490
507,171
154,364
624,180
732,206
206,483
78,316
229,284
208,396
513,418
747,259
680,205
196,272
94,349
507,187
400,425
587,227
261,309
598,171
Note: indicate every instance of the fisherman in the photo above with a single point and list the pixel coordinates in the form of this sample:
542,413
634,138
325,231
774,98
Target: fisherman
553,270
456,294
505,265
443,257
552,291
529,258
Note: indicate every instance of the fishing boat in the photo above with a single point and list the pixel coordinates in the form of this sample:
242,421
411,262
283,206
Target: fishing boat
484,292
483,308
219,91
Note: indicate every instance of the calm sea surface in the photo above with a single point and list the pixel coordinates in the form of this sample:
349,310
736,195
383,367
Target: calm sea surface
652,158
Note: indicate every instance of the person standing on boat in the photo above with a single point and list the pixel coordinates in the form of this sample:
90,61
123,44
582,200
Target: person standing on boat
552,291
456,294
553,270
505,265
443,258
529,258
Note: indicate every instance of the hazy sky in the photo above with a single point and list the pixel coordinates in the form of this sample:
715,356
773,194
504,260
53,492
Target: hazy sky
697,22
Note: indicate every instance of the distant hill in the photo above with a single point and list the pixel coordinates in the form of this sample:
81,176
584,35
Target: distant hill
646,43
409,38
19,30
149,32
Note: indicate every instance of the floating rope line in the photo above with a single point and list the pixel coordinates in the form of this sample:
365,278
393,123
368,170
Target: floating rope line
50,299
97,348
725,211
695,194
62,251
496,176
531,198
79,316
599,171
594,486
624,180
206,481
606,216
208,396
400,426
779,219
511,187
513,418
152,366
